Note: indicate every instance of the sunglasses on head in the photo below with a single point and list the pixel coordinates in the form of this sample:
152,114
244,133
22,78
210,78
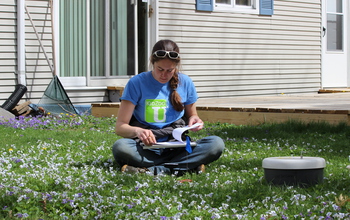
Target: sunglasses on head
163,53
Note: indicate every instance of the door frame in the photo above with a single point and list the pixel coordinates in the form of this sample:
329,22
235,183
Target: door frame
153,24
346,41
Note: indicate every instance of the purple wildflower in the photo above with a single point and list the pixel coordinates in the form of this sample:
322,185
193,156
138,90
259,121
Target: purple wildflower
79,195
19,215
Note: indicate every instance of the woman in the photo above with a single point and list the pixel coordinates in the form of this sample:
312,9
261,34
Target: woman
152,105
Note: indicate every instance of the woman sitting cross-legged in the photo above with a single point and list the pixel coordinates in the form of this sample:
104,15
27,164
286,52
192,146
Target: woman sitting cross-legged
154,103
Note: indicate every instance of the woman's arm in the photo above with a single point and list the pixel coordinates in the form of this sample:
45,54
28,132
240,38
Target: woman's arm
193,118
122,127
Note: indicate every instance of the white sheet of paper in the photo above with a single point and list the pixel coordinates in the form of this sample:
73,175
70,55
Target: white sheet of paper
177,133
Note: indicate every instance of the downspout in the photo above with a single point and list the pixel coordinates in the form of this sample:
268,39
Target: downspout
136,37
21,60
348,41
54,29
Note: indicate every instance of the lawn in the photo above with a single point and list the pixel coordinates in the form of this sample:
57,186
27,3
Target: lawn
63,168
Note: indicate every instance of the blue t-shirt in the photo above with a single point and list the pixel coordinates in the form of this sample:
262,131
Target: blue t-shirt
152,99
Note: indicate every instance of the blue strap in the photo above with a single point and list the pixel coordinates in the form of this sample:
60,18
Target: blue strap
188,145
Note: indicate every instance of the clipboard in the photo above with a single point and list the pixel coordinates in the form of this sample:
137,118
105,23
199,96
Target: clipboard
177,133
170,144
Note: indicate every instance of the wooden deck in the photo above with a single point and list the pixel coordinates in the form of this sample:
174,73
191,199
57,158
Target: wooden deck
329,107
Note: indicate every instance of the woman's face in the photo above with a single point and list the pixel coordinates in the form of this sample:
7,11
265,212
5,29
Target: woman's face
163,70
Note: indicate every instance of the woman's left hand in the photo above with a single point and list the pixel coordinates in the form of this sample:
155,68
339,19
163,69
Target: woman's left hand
193,120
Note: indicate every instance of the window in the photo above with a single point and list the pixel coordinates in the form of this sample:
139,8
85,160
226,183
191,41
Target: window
235,2
261,7
335,16
97,39
244,6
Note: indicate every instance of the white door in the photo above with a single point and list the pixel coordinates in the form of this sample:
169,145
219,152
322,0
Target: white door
335,40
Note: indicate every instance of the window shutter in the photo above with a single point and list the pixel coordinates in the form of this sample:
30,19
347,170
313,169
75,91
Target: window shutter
266,7
204,5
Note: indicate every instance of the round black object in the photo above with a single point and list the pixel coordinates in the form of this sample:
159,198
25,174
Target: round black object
300,171
302,178
12,101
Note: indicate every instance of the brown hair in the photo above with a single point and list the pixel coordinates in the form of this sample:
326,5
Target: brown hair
169,45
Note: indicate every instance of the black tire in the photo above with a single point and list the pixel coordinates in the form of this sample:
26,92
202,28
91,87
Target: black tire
12,101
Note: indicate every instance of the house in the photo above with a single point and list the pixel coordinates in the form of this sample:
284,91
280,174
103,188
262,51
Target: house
229,47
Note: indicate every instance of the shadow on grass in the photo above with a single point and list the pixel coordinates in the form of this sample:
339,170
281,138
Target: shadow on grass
282,130
315,138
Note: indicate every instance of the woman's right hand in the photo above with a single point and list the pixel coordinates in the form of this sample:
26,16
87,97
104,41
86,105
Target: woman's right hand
146,136
123,128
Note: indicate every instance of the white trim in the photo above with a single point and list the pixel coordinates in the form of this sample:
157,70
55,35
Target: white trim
21,60
73,81
88,48
153,25
323,35
75,88
335,67
120,81
79,82
107,39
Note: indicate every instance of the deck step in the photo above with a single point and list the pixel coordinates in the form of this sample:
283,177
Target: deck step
334,90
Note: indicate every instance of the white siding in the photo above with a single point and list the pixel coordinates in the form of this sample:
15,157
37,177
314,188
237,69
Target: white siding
7,48
234,54
38,72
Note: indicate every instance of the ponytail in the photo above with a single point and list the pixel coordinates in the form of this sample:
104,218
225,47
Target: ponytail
174,96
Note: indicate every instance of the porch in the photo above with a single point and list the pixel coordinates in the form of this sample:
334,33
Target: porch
332,106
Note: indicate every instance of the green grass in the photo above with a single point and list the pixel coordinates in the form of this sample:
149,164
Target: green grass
66,171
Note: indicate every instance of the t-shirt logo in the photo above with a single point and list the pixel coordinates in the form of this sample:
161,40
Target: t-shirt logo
155,110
